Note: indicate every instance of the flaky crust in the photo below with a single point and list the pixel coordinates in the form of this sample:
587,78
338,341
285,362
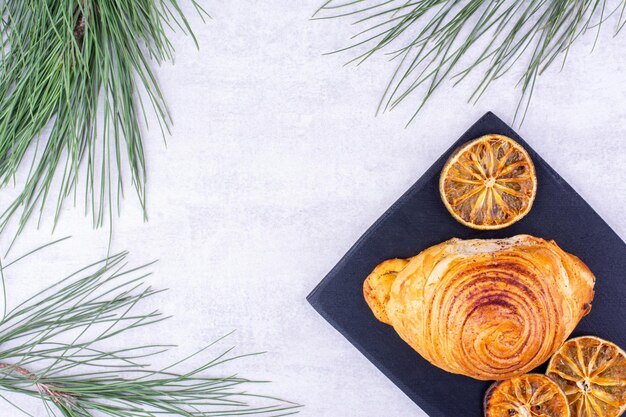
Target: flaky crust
488,309
377,286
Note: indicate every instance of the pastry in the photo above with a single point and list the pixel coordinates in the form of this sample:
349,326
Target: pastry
488,309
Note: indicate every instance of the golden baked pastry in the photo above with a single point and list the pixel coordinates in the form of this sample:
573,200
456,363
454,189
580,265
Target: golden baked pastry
376,287
592,373
530,395
488,309
488,183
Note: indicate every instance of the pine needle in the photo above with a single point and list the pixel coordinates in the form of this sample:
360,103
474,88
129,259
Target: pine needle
75,85
433,41
53,348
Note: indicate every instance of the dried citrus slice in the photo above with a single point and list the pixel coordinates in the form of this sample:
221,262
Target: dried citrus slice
592,373
530,395
489,183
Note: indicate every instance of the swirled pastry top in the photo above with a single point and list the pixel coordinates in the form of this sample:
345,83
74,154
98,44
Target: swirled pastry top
488,309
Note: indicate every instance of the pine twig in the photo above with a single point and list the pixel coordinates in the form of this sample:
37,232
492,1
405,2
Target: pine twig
53,347
46,390
433,41
76,84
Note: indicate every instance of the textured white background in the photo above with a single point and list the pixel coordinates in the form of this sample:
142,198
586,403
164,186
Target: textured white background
276,165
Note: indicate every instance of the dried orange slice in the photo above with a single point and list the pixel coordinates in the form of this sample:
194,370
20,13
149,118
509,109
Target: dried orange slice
530,395
592,373
489,183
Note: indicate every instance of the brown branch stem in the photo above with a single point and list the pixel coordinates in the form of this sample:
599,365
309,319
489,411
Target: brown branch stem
79,28
44,388
19,370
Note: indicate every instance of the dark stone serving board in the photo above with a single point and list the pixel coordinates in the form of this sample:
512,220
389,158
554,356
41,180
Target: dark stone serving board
418,220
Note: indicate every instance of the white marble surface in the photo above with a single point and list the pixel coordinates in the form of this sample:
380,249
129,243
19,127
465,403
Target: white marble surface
276,165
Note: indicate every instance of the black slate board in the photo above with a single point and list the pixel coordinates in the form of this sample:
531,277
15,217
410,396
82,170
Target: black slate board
418,220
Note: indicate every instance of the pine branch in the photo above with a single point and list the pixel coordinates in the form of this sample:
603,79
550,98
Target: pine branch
75,76
53,347
433,41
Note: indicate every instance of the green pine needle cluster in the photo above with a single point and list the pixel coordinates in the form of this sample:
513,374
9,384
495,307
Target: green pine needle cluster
432,41
75,86
52,347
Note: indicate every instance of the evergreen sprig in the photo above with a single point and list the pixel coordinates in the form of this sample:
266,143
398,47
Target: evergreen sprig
53,347
436,40
75,84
